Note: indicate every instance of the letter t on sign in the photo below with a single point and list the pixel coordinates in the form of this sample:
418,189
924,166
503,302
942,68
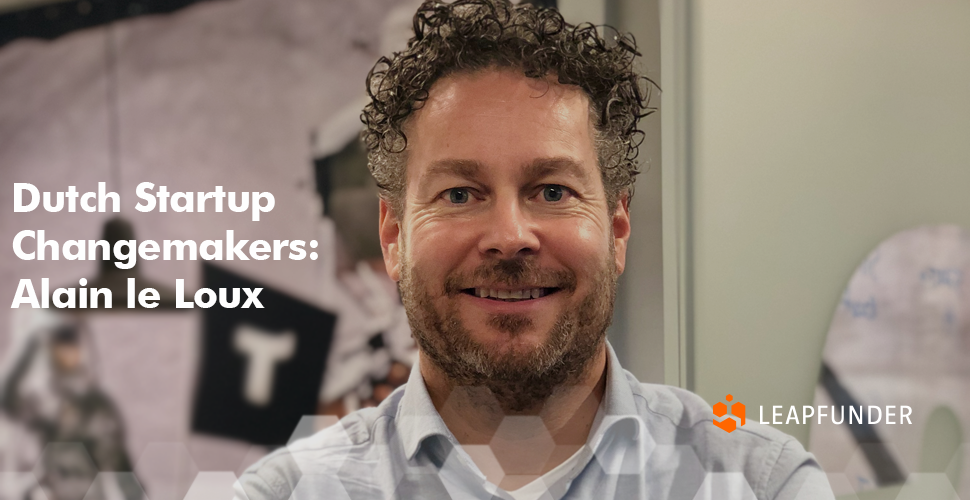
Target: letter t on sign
263,351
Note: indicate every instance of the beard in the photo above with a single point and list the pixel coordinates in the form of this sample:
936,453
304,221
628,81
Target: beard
519,381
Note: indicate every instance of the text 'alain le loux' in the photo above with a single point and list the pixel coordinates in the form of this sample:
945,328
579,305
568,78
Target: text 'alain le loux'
98,298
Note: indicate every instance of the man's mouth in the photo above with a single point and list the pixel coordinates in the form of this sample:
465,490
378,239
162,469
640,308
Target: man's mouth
510,295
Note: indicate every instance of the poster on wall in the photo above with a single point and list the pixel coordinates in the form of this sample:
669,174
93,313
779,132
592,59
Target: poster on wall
900,337
261,367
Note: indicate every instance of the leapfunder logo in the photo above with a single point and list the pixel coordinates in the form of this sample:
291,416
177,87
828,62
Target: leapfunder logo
729,422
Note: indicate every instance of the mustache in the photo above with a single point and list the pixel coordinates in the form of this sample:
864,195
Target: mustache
517,272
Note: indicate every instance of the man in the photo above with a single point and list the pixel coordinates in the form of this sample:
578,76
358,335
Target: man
51,391
503,142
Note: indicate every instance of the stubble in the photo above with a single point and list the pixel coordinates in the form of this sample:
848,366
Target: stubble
519,381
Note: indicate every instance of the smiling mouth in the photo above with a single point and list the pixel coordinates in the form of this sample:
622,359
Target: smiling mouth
510,295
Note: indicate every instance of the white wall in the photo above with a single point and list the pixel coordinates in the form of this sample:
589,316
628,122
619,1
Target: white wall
818,129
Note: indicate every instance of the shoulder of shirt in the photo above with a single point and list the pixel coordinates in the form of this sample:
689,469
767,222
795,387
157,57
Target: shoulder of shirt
765,455
685,410
324,452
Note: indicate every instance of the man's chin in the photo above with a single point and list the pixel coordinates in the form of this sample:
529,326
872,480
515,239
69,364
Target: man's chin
510,335
524,351
520,365
504,349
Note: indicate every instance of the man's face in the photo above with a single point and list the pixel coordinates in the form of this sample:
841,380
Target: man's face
67,357
506,253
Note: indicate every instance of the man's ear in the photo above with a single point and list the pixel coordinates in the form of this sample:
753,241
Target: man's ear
390,231
621,230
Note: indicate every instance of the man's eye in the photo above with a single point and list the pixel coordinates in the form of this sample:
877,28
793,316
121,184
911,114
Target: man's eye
458,195
552,192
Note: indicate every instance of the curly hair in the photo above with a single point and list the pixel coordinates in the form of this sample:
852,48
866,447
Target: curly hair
470,35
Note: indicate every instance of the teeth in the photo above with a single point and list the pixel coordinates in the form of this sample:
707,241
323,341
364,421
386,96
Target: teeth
524,294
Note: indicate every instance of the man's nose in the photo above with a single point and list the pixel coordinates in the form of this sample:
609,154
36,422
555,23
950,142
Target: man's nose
508,232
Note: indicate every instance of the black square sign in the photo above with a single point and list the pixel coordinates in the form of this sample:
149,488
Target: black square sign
261,367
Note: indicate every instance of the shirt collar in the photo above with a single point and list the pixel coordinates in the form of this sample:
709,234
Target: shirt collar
618,398
417,419
618,405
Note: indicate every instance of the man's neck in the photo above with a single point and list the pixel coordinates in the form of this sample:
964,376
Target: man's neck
512,449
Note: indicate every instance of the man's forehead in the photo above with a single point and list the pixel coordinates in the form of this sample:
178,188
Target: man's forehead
508,92
499,116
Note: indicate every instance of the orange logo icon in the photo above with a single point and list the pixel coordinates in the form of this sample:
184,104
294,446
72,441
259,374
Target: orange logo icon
728,422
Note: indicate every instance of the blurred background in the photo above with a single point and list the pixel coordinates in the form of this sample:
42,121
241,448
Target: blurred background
799,229
251,95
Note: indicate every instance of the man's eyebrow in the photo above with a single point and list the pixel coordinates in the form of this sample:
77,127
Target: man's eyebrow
546,166
462,168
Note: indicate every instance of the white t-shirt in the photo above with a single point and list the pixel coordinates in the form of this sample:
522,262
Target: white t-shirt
540,486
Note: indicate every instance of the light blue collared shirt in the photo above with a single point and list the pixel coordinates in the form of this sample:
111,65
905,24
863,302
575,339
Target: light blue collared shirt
648,442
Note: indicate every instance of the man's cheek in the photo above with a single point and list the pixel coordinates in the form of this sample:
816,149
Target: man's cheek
582,256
